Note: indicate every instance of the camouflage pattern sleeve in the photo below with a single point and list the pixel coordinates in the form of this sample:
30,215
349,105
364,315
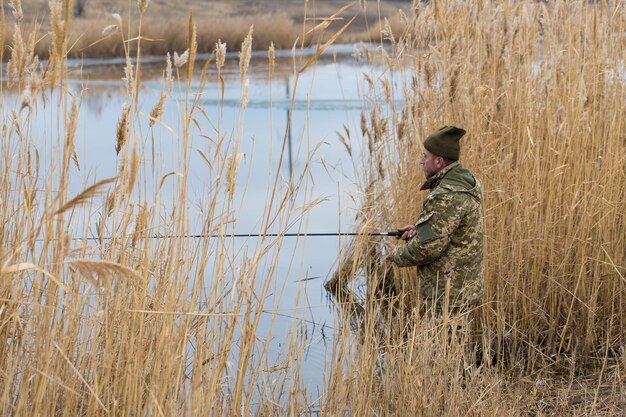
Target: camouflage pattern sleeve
441,216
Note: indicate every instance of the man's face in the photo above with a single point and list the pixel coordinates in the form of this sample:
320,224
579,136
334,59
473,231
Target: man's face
432,163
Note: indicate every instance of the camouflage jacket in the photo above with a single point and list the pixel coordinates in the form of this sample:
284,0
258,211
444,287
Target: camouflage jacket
449,238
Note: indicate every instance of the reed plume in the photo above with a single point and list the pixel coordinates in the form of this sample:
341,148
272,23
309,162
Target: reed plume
16,63
129,79
192,47
57,54
105,270
245,54
180,60
110,30
118,19
157,110
168,73
84,196
146,321
271,54
16,6
142,5
26,97
232,168
141,224
122,128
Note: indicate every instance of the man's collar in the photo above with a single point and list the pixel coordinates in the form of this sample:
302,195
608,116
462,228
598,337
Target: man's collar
432,181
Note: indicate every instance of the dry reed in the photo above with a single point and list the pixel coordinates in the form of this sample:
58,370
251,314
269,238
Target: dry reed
130,324
540,89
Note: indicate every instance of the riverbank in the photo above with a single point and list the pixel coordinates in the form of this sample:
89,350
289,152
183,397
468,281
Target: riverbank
94,33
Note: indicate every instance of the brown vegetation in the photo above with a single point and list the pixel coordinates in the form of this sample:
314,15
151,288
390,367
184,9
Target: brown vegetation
165,25
127,324
540,89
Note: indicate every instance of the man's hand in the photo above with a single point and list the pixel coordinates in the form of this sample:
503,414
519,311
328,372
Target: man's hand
408,232
390,249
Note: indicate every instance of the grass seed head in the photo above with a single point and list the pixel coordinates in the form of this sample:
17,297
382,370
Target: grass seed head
180,60
109,30
245,54
129,77
122,129
118,19
363,123
168,74
141,223
16,5
84,196
157,110
192,47
428,74
18,53
356,54
133,170
387,32
58,27
220,54
271,53
26,97
143,5
231,173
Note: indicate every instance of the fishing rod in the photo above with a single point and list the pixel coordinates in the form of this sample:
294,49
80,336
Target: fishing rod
238,235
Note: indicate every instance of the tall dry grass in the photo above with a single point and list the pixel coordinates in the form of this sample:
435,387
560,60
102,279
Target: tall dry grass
99,317
540,87
130,325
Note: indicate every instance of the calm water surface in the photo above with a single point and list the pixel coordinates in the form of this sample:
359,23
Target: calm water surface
327,98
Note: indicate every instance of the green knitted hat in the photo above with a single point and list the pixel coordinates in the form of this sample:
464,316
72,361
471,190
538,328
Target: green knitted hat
445,142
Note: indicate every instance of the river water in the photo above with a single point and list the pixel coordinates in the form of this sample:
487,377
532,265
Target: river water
328,98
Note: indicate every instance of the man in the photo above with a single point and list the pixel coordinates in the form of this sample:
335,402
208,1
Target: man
446,242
